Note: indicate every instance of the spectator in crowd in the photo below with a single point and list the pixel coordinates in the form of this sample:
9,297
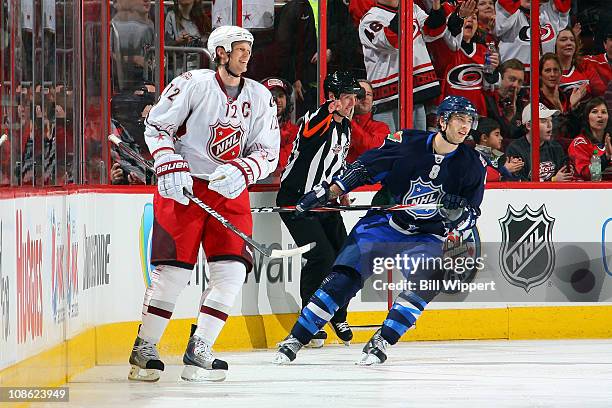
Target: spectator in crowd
349,57
601,64
367,133
132,36
486,20
595,136
565,124
296,37
128,112
567,47
186,26
488,140
506,103
464,55
282,93
513,28
553,161
378,33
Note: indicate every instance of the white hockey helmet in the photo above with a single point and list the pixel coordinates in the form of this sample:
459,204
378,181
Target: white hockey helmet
225,36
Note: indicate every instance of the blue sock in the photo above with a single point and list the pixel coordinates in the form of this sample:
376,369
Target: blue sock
403,314
314,316
336,291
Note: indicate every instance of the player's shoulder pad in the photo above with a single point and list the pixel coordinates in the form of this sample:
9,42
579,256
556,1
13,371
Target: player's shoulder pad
258,87
259,90
395,137
408,136
476,159
197,78
198,74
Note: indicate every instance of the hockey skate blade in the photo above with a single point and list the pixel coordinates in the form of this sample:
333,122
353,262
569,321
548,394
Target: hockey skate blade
197,374
315,343
281,359
368,360
143,374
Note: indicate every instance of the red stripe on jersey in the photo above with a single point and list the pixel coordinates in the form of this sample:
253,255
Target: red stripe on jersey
160,149
386,91
376,81
159,312
213,312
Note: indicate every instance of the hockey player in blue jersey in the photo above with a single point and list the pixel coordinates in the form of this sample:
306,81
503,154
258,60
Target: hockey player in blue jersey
417,167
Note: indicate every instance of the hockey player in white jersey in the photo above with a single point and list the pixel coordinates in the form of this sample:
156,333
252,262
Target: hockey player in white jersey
212,133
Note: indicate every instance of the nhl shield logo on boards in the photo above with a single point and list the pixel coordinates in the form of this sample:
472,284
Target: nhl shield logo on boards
422,192
225,142
527,255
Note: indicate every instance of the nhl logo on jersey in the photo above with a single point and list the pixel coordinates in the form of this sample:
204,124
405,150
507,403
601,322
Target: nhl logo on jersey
422,192
527,255
225,142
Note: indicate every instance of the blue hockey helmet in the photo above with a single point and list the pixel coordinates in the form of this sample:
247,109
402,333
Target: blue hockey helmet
457,104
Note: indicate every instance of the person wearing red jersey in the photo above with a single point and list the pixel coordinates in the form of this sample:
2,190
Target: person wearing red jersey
574,74
464,55
602,65
594,137
367,133
212,133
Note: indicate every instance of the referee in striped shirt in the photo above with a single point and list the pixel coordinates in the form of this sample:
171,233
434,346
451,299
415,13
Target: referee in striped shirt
319,153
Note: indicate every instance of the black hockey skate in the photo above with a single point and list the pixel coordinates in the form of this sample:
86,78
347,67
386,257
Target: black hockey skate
374,352
317,340
343,331
146,365
200,364
287,350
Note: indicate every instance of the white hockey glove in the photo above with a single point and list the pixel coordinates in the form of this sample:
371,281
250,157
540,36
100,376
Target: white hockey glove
172,177
230,179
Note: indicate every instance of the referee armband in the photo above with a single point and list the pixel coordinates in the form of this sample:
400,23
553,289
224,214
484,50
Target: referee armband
353,176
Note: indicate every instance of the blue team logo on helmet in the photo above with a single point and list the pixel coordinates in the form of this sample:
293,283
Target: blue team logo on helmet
422,192
457,105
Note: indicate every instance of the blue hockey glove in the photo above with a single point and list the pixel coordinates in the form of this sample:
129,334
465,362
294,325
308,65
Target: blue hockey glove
453,202
459,216
317,197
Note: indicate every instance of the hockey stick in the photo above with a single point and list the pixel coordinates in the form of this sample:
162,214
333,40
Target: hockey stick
391,207
270,253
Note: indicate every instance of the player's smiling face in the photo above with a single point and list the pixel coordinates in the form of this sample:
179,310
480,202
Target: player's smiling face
458,127
240,56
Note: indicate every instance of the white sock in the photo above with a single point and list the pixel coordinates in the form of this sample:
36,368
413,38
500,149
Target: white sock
226,280
165,289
